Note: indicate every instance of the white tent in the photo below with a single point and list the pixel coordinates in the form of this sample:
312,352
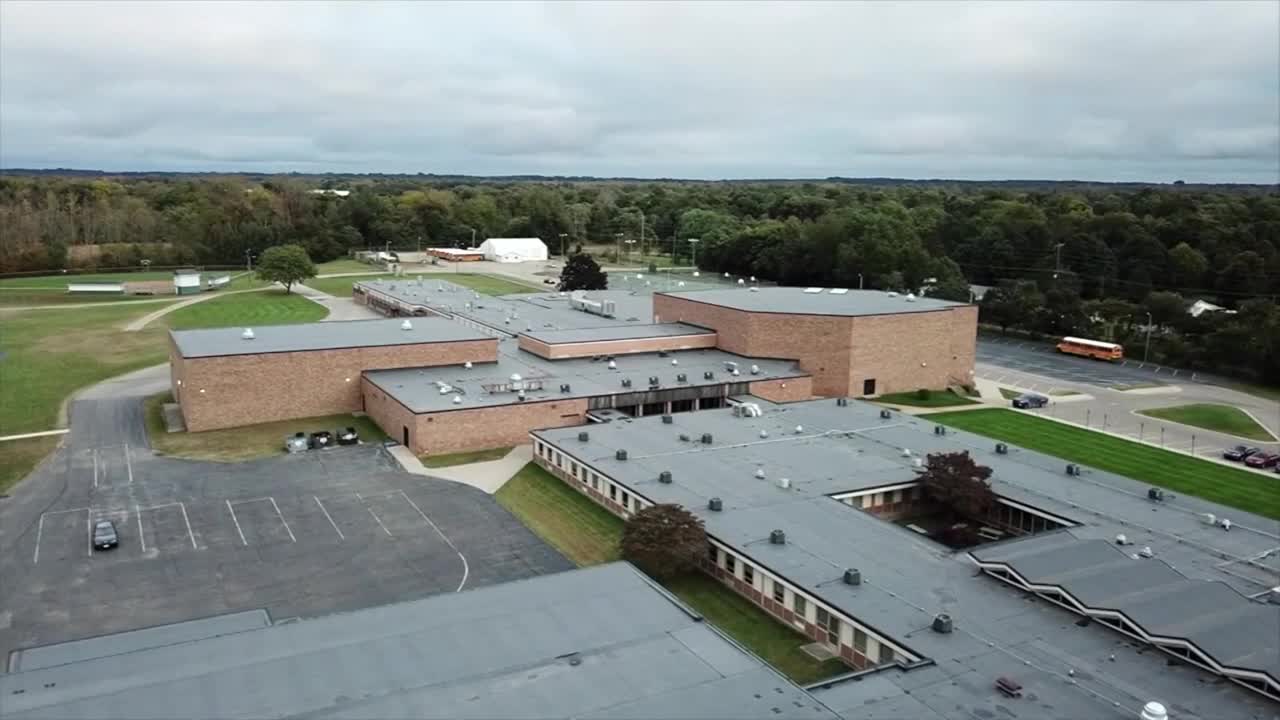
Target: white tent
513,249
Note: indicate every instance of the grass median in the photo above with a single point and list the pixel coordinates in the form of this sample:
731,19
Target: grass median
588,535
928,399
268,307
1211,416
464,458
250,442
18,457
1249,491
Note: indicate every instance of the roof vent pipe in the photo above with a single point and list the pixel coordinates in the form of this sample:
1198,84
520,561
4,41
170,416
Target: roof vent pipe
777,537
664,477
406,325
852,576
247,334
1154,711
715,504
759,473
620,455
613,365
457,399
583,437
942,623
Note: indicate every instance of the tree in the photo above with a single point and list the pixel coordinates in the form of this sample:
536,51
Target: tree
665,541
1165,307
582,272
285,264
1187,266
956,481
1011,304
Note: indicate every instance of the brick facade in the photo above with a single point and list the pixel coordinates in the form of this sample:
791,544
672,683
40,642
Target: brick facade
560,351
784,390
235,390
900,352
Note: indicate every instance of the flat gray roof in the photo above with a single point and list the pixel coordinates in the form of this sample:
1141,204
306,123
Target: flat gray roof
598,642
217,342
617,332
800,301
826,449
418,389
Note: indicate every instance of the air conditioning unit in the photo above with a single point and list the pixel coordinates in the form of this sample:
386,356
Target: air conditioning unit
1002,449
1073,469
706,438
942,623
583,437
715,504
667,419
777,537
682,378
626,382
664,477
620,455
852,576
885,414
939,430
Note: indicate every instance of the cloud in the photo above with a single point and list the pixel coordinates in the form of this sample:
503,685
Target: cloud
1106,91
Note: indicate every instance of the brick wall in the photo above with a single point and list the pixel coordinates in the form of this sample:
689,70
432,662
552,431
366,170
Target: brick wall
900,352
249,389
615,347
784,389
453,431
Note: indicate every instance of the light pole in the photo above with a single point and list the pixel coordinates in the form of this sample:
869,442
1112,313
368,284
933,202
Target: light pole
1057,259
629,244
617,255
1146,350
859,281
248,260
693,244
562,237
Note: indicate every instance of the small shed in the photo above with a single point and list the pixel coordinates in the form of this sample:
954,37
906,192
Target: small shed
513,249
186,281
95,288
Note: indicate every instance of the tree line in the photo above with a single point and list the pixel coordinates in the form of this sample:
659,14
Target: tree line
1091,260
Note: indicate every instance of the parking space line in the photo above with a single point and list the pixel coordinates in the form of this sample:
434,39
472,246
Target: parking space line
187,520
329,517
35,558
94,452
128,465
282,520
237,522
375,516
141,535
466,569
88,521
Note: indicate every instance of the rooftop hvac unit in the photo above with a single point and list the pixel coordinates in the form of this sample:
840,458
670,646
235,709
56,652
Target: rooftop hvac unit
667,419
1146,552
885,414
626,382
1002,449
1073,469
620,455
715,505
942,623
730,365
939,430
406,325
755,369
583,436
664,477
784,483
682,378
247,334
706,438
852,576
842,402
684,437
708,375
1121,539
1155,494
777,537
1153,711
565,387
653,381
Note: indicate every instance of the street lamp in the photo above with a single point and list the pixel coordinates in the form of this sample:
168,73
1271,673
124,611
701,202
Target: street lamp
693,244
248,260
629,243
562,237
1146,350
1057,260
617,255
859,281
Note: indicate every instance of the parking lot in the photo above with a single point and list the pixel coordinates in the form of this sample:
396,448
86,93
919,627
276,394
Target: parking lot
299,535
1041,359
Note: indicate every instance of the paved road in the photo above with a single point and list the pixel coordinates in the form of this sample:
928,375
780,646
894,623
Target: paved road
1098,404
298,535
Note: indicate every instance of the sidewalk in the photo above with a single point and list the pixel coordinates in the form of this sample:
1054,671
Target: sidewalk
488,476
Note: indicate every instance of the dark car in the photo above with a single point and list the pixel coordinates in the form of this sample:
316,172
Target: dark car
1027,401
1239,453
104,535
1262,460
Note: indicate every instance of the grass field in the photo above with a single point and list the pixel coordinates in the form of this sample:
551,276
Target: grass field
345,265
52,353
1009,394
464,458
487,284
588,535
269,307
937,398
59,282
18,457
243,443
1253,492
49,293
1210,416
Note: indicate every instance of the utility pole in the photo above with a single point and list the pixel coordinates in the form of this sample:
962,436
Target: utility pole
641,236
859,281
617,255
693,243
562,237
248,260
1057,260
1146,351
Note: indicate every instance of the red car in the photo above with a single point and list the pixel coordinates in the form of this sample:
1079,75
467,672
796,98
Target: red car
1262,460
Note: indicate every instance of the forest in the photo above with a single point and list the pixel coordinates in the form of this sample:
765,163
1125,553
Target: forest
1112,262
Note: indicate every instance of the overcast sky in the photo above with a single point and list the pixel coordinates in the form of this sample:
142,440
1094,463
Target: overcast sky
1078,90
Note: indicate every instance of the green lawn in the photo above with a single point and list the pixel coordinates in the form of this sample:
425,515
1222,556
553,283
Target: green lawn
345,265
588,535
340,286
1242,489
269,307
1263,391
18,457
487,284
59,282
243,443
52,353
936,398
464,458
1219,418
1009,394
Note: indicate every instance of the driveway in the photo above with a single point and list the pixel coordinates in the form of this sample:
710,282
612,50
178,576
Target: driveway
298,535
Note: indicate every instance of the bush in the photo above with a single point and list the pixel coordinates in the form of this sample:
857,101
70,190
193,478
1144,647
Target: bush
924,394
653,268
664,541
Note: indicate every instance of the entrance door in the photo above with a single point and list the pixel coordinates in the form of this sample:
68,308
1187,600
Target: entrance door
405,428
869,386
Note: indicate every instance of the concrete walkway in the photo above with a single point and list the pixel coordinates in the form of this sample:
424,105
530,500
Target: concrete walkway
149,318
488,476
340,308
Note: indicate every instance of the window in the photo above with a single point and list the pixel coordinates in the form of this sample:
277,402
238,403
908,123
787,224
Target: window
713,554
595,480
886,654
613,493
729,564
859,641
801,606
573,469
626,500
557,459
748,574
779,592
831,624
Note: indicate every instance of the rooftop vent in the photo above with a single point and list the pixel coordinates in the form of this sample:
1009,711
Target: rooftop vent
681,377
1121,539
675,361
813,290
667,419
939,430
842,402
730,365
706,438
584,436
777,537
942,623
885,414
755,289
653,381
467,364
406,325
1146,552
664,477
613,365
565,387
1073,469
784,483
708,375
1002,449
521,396
1155,494
741,281
852,576
755,369
839,291
715,504
626,382
684,437
247,334
759,473
911,297
799,429
1153,711
457,399
620,455
764,434
892,294
906,452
